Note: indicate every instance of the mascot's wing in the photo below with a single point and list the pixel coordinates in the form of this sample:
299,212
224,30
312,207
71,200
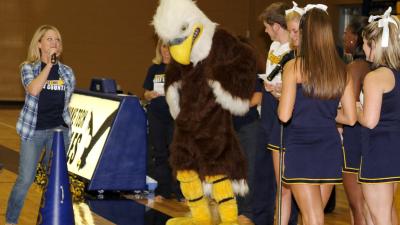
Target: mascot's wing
233,73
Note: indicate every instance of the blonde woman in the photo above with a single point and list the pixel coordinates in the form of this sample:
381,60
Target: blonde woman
293,17
161,124
48,85
380,117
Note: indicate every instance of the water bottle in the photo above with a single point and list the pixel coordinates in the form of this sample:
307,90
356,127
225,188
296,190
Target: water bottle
151,187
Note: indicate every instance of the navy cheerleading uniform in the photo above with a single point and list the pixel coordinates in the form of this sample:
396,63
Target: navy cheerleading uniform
274,138
313,146
352,148
381,145
269,104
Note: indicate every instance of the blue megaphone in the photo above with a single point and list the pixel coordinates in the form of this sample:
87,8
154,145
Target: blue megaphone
56,206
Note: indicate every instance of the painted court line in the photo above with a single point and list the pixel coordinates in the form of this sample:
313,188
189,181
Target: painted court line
7,125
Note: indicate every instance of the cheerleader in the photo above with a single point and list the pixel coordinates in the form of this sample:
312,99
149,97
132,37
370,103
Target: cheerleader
293,17
357,68
380,117
313,85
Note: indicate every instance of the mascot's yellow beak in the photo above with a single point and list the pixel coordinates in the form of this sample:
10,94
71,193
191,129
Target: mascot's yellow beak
181,51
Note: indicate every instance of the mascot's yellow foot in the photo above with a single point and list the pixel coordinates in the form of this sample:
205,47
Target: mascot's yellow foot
222,192
187,221
192,189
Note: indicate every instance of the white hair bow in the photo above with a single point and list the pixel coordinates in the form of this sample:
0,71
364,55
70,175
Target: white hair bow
318,6
383,22
295,9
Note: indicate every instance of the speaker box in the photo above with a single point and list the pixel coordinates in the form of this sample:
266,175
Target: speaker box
103,85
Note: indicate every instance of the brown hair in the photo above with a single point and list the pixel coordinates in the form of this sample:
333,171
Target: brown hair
323,72
275,13
356,26
389,56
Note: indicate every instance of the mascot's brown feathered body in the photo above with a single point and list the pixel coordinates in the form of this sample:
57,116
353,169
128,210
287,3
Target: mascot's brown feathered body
204,139
211,78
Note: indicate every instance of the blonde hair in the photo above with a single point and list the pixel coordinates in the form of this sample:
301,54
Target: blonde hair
158,58
389,56
293,16
34,51
323,72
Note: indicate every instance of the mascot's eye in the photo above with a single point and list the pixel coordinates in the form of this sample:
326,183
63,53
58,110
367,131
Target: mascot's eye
184,27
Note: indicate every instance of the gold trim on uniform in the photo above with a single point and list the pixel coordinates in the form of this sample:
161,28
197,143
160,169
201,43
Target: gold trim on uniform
380,180
272,147
347,169
315,181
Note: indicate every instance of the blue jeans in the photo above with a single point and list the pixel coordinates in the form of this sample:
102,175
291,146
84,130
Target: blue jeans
29,155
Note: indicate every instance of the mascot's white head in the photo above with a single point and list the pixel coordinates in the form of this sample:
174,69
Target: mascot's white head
182,25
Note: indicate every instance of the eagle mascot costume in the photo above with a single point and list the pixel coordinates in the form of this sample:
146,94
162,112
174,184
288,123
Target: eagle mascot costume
211,78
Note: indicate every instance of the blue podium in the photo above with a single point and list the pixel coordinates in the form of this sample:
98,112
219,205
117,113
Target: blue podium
109,141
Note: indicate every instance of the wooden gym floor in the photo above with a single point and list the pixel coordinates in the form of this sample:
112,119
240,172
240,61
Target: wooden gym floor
89,213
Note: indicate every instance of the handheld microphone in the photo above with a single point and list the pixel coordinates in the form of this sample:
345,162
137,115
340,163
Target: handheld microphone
274,72
278,68
53,59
